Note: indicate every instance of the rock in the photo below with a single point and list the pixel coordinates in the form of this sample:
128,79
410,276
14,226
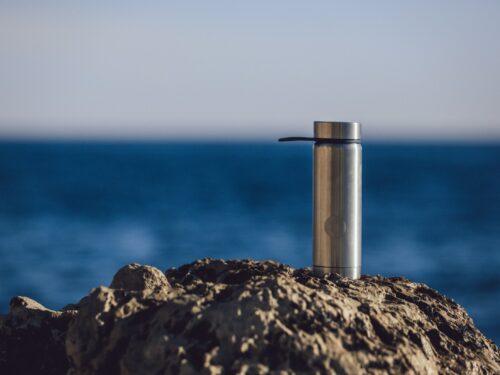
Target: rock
32,339
248,317
137,277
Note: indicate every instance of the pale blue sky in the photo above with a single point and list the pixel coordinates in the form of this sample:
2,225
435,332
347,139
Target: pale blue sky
255,69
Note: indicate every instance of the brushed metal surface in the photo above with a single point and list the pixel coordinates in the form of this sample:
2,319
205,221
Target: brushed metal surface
337,203
337,130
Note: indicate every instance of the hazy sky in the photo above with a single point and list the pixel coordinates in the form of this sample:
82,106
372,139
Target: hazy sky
255,69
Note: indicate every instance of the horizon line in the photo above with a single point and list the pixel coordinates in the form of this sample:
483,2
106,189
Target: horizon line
237,140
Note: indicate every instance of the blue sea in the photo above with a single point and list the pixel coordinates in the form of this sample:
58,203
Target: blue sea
72,213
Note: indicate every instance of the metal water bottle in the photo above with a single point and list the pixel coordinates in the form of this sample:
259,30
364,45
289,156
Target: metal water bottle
337,197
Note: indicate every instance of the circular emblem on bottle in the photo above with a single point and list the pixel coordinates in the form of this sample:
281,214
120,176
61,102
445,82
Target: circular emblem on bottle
335,227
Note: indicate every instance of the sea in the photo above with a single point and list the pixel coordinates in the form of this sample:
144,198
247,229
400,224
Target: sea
72,213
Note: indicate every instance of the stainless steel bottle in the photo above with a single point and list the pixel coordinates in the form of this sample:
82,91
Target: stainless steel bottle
337,198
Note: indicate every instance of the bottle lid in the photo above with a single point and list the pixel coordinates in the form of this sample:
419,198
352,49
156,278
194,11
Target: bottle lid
337,130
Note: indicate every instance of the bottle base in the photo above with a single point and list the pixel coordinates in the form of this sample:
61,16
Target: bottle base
351,272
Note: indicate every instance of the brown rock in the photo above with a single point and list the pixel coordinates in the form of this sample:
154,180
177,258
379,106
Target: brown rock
32,339
137,277
248,317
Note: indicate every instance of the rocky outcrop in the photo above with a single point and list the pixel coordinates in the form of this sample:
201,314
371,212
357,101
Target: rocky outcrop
32,339
246,317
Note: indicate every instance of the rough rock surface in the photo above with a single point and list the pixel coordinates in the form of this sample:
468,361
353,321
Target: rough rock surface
32,339
137,277
246,317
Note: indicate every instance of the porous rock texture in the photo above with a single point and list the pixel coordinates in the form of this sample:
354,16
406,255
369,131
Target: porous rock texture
246,317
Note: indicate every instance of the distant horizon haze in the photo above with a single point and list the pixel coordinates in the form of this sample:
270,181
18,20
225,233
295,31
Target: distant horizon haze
246,132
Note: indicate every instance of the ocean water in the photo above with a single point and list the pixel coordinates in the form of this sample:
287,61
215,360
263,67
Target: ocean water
72,213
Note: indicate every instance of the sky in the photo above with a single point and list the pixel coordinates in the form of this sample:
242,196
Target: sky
249,69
